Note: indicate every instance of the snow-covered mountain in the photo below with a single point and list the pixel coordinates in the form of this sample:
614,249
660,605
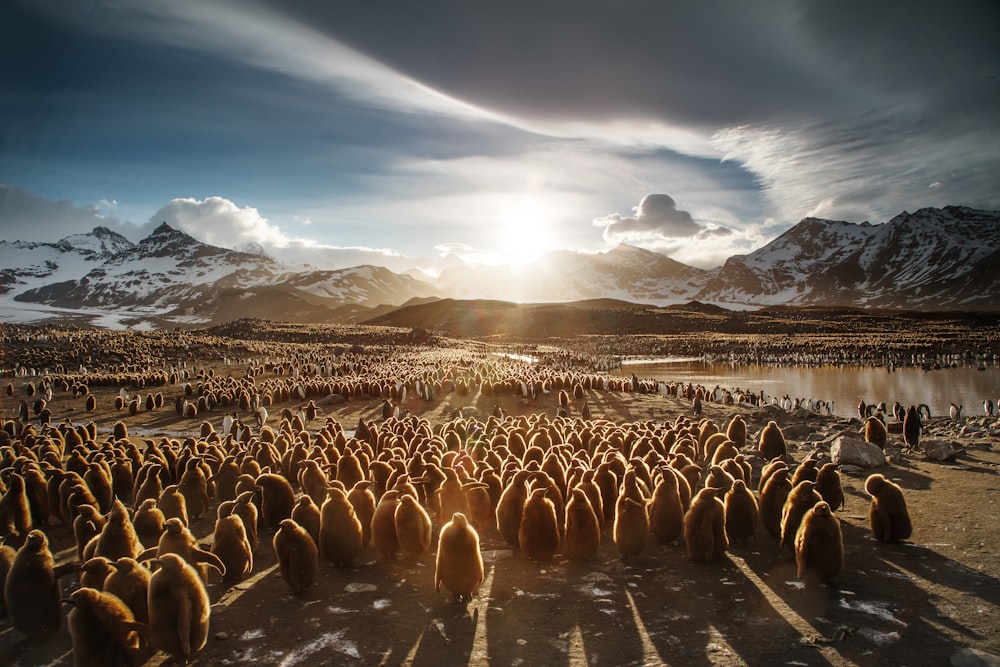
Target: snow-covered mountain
933,259
171,277
624,272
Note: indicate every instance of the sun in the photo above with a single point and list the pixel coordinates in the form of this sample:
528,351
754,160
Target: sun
522,231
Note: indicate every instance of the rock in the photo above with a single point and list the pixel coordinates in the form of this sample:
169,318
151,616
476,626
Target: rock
797,431
938,450
221,636
857,452
970,657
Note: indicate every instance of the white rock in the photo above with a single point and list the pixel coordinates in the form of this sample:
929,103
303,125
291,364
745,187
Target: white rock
857,452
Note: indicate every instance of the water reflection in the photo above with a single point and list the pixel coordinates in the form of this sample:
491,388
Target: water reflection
967,385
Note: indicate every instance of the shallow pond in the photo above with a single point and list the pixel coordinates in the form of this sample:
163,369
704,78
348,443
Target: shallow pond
845,386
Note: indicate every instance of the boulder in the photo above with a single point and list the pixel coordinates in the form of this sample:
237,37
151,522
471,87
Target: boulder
938,449
797,431
853,451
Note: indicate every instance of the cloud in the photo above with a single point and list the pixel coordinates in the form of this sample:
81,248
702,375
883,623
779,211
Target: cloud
656,217
218,221
29,217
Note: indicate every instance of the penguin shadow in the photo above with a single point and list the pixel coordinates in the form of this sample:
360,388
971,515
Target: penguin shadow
562,612
870,605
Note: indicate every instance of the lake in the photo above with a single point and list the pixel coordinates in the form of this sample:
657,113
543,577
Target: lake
964,385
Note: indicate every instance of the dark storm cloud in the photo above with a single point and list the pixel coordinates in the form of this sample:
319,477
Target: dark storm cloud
655,217
25,216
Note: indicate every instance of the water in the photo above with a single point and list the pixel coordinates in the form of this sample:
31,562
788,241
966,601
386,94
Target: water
844,385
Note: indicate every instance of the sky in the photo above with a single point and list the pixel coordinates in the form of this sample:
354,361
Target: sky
403,131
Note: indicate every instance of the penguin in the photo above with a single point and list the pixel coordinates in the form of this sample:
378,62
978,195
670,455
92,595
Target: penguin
772,500
829,486
741,513
413,527
231,546
875,432
298,556
93,572
459,562
31,590
819,543
362,499
7,555
510,507
193,485
129,580
15,511
705,527
307,515
631,527
582,531
772,442
277,499
148,523
955,412
179,608
178,539
800,499
911,428
383,525
887,513
340,532
666,510
538,533
804,471
173,504
104,631
118,538
87,525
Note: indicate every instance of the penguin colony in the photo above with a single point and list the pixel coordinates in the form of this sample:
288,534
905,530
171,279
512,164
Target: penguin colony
548,486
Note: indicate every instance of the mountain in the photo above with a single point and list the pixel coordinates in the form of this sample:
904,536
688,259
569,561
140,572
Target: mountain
624,272
933,259
170,278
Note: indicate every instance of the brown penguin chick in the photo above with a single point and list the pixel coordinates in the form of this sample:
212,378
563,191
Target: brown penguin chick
477,497
413,527
736,431
193,485
772,442
888,515
36,489
631,528
312,480
349,470
245,509
363,500
829,486
876,432
450,496
538,534
129,580
178,539
459,563
298,556
7,555
705,527
307,515
741,513
178,608
173,504
98,479
719,478
118,538
230,544
148,523
31,591
800,499
582,534
149,484
383,525
607,481
104,630
511,507
225,479
277,499
15,511
819,543
666,512
772,500
94,571
806,470
769,469
86,526
340,532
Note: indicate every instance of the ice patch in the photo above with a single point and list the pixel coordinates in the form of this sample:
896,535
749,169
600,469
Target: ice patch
872,609
330,641
880,638
381,604
360,588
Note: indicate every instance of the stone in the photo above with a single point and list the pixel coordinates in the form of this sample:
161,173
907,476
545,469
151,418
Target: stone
857,452
938,449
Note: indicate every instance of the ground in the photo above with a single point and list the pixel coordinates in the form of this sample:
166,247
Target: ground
923,601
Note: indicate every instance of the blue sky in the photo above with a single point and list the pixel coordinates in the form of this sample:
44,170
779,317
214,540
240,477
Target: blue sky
341,132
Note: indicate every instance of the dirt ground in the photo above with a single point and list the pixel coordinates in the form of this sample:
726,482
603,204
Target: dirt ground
926,601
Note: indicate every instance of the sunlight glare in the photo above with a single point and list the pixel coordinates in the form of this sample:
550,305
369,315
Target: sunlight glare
522,232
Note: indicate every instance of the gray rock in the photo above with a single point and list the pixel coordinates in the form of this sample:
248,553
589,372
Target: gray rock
938,449
857,452
970,657
797,431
